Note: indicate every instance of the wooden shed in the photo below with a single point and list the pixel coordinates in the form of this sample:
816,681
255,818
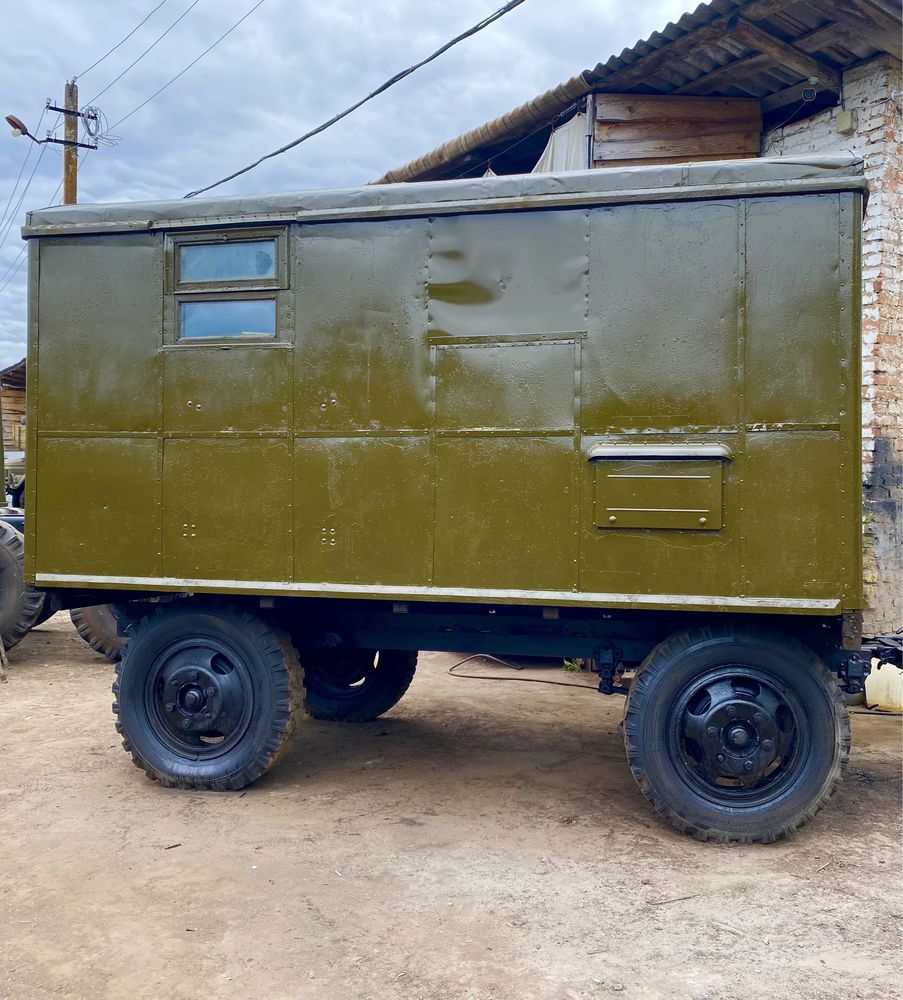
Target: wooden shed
12,401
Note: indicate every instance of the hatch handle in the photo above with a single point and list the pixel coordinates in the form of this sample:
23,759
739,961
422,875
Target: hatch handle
666,451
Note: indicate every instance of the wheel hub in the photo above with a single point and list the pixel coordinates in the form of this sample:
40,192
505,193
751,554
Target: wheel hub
736,729
200,697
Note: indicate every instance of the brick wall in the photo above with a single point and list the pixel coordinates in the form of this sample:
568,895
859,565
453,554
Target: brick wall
878,139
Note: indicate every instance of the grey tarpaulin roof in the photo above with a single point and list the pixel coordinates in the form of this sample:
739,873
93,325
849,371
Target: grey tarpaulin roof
513,192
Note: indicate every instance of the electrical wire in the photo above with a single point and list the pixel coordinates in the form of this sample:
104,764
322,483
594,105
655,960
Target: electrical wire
12,193
479,26
13,268
153,45
4,232
188,67
94,65
513,666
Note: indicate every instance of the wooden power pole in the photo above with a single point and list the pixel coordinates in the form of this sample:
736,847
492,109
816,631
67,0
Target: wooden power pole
70,153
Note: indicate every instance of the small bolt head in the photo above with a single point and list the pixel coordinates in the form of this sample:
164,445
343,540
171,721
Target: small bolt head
210,692
731,711
720,758
758,718
712,732
748,765
767,745
170,706
194,675
186,723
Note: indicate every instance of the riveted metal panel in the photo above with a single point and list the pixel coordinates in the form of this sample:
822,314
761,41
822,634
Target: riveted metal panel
98,505
798,356
526,387
795,490
360,357
505,512
213,490
511,274
662,351
647,494
363,510
101,331
245,389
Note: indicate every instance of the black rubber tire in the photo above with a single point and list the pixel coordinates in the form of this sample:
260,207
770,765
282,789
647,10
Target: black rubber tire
20,606
711,813
261,659
48,610
101,627
389,675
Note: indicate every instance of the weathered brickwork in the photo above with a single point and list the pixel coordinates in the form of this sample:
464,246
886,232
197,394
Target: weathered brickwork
873,91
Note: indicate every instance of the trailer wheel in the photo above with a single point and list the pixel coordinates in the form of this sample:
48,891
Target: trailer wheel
736,735
207,696
100,627
20,607
355,685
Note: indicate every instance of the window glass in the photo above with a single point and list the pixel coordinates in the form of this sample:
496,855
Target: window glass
228,318
227,261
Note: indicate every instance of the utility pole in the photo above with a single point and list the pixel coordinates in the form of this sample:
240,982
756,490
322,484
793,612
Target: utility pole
70,152
71,115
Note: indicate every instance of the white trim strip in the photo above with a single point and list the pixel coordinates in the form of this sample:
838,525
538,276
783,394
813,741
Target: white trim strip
469,594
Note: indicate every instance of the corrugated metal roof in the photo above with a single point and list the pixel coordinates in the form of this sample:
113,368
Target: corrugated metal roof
711,50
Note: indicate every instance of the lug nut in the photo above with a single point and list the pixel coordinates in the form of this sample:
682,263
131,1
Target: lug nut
712,732
210,692
170,706
767,745
748,765
186,723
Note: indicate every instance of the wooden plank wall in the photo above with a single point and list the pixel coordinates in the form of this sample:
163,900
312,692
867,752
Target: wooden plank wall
13,408
643,129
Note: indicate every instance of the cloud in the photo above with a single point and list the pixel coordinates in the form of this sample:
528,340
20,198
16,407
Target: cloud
288,67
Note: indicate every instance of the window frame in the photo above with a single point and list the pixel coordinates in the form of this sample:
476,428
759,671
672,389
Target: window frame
277,287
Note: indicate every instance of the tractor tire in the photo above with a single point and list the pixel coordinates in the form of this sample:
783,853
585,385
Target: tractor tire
207,696
736,735
355,685
20,607
100,626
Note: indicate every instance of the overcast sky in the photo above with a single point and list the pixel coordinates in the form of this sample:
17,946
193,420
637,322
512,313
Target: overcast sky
289,66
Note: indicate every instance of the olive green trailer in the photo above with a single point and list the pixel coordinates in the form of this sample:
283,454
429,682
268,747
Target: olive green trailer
611,414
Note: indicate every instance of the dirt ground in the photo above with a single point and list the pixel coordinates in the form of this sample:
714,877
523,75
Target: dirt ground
483,841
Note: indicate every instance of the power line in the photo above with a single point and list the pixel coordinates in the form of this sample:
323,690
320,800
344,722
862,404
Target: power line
188,67
13,268
8,224
379,90
12,193
156,42
94,65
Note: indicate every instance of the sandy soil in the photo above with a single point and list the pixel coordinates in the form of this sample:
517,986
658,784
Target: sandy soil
483,840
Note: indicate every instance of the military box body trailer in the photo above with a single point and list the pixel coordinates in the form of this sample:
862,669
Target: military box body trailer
607,414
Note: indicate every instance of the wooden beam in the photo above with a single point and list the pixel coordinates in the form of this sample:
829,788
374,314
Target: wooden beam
789,95
878,26
786,54
641,69
835,33
725,75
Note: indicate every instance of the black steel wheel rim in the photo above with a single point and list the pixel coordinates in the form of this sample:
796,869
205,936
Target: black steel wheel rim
341,674
738,735
199,697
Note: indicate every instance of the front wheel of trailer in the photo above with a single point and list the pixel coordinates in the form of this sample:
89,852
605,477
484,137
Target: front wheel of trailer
736,735
207,696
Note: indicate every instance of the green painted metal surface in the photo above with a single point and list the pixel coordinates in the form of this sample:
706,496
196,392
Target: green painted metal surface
447,363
